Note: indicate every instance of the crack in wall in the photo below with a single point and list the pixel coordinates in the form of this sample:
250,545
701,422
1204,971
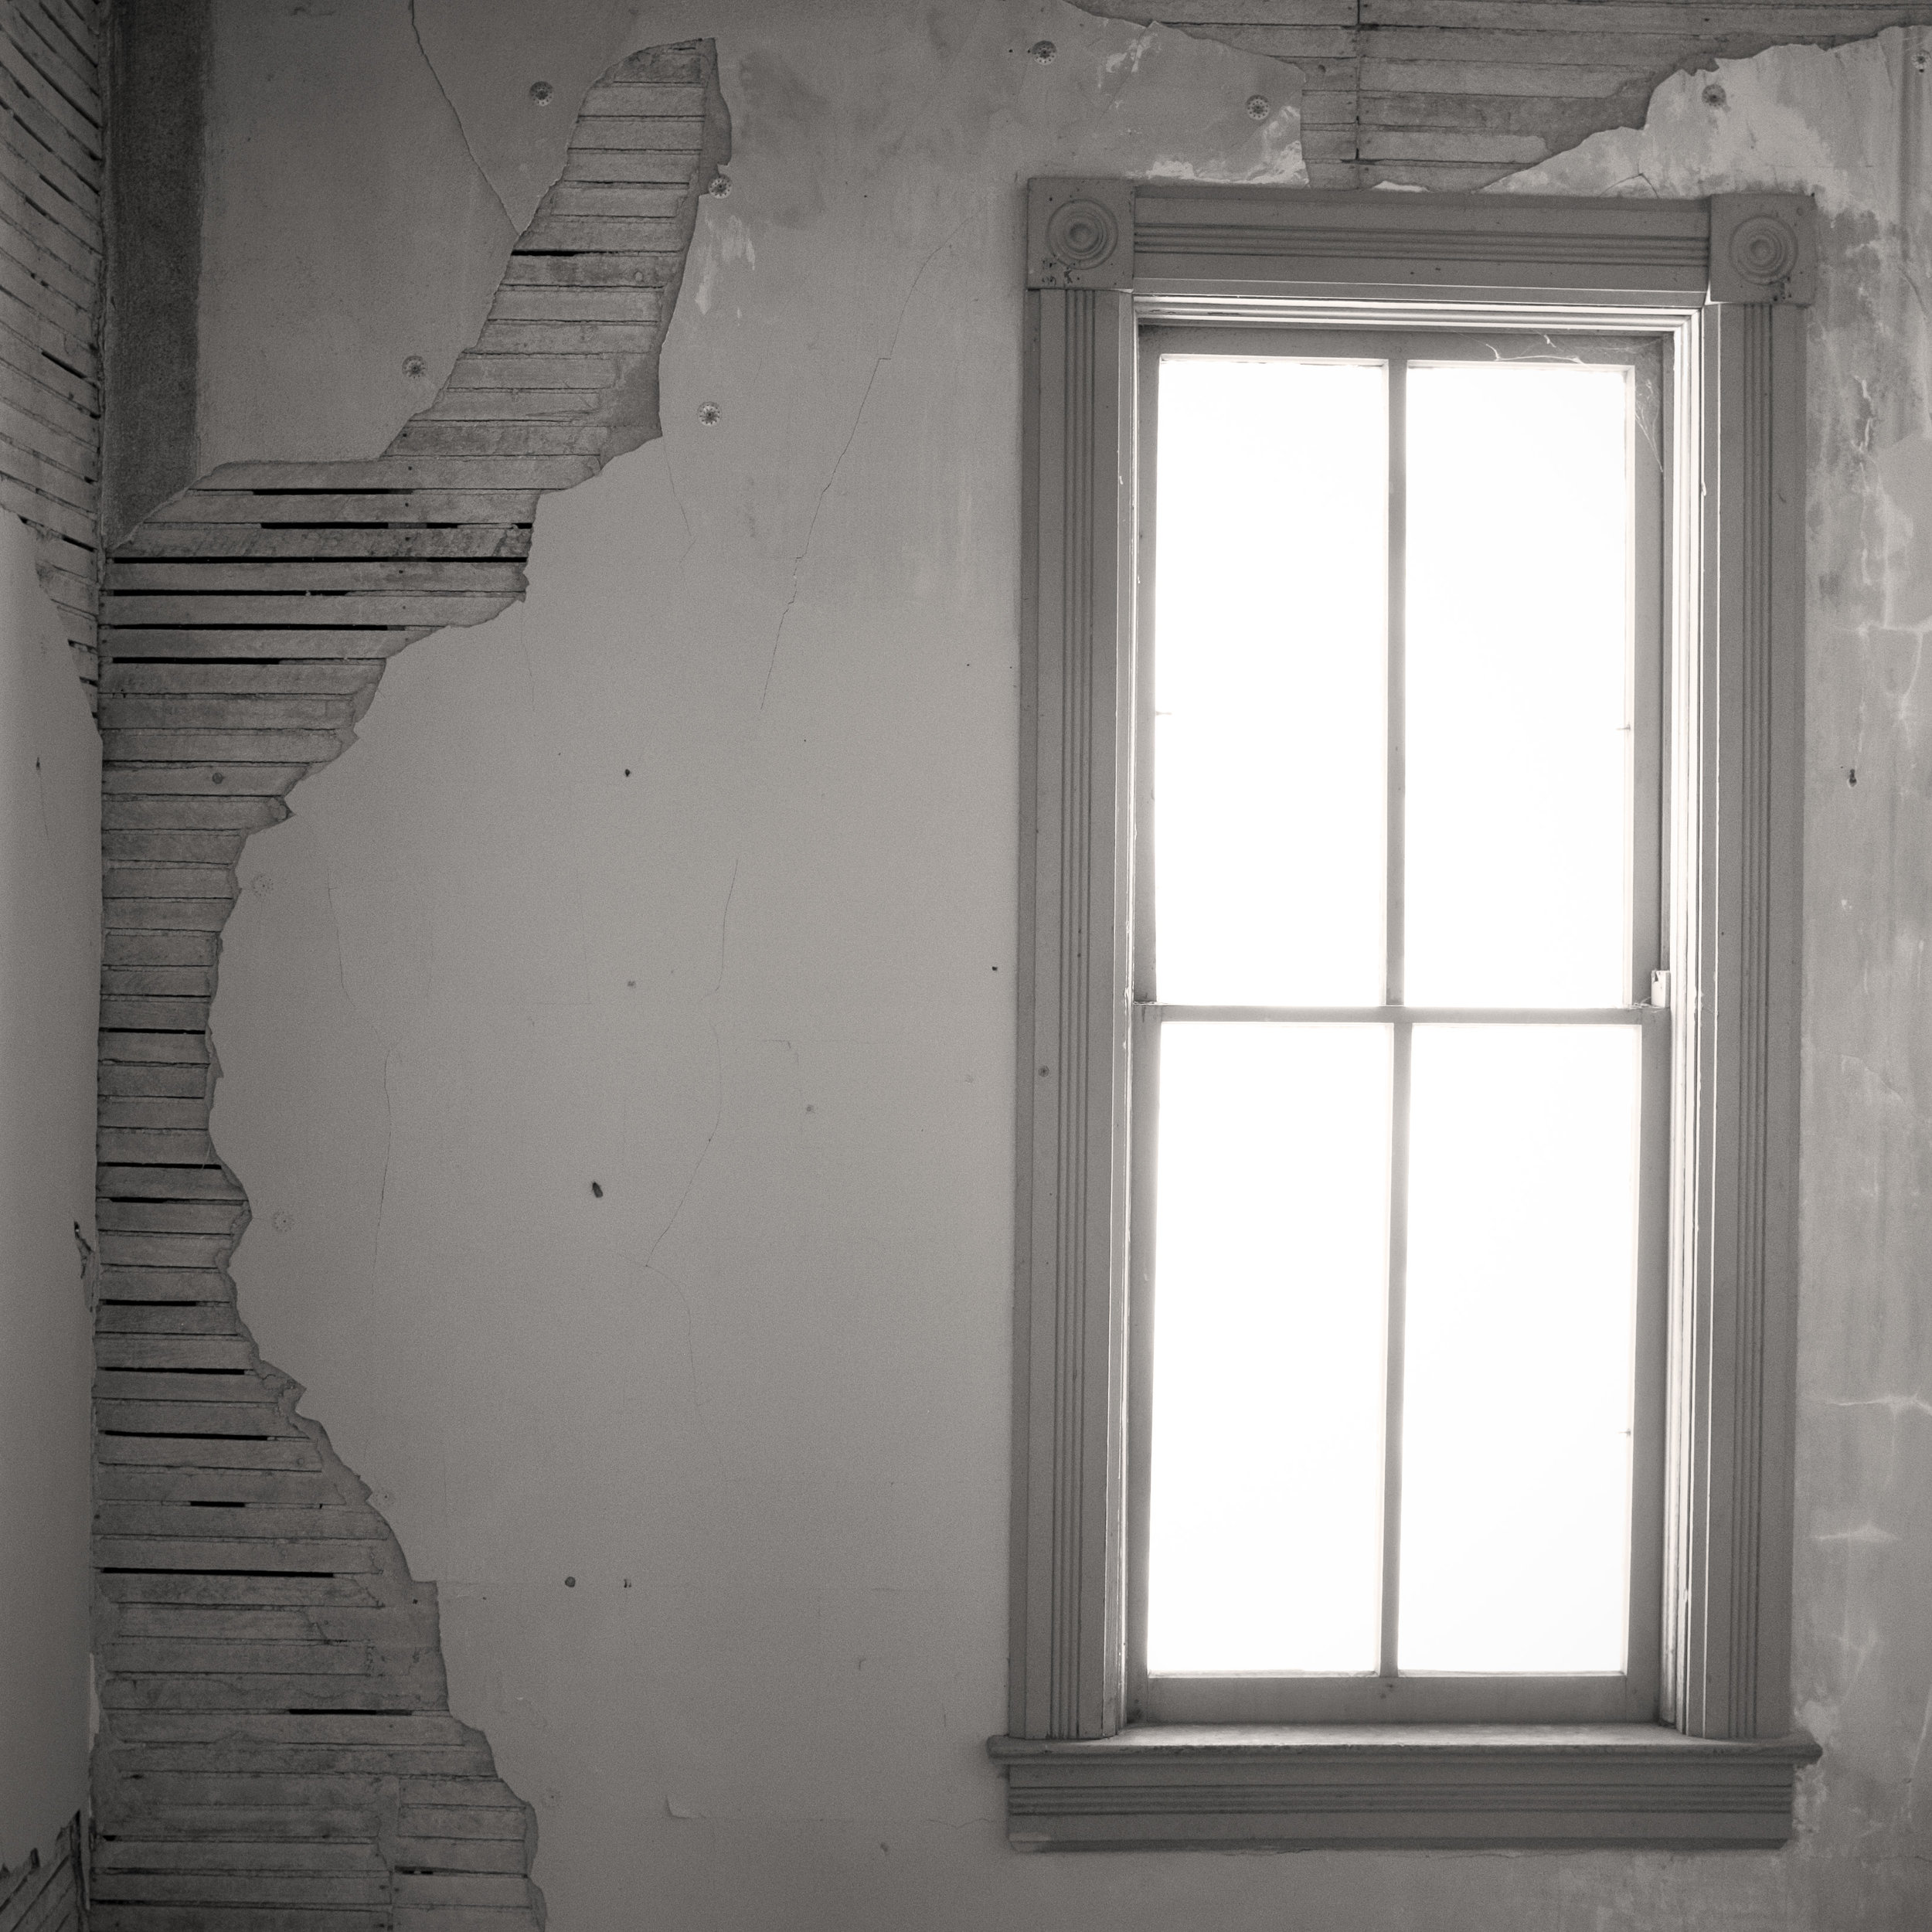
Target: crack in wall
469,146
838,462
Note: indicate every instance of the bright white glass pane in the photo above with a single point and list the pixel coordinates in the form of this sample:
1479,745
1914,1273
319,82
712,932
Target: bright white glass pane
1516,1414
1270,1267
1518,637
1270,654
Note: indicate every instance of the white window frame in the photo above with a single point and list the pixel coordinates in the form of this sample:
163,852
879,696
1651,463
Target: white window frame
1725,281
1389,1695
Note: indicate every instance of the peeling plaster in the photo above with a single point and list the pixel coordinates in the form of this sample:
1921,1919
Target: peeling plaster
487,67
392,253
1849,125
764,1377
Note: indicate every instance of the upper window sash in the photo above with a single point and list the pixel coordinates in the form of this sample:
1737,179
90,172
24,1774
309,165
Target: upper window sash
1724,281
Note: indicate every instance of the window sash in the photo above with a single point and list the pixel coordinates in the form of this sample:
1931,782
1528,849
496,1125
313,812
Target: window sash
1388,1693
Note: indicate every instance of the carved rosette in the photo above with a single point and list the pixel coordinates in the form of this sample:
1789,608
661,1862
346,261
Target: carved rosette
1079,234
1763,249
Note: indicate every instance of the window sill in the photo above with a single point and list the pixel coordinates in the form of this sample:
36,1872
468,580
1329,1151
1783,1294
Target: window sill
1174,1787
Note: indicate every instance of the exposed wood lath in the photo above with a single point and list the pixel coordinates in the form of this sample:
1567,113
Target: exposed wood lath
46,1896
50,180
1457,94
277,1748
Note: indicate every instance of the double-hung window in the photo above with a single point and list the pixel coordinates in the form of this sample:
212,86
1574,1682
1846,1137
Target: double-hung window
1406,1129
1397,1210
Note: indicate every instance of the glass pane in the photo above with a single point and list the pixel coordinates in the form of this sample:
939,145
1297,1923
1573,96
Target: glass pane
1270,606
1270,1267
1517,671
1516,1414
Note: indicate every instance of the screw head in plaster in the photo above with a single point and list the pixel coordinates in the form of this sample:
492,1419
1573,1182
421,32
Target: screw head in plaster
415,368
543,92
1042,51
720,186
569,1583
710,415
1714,96
1258,108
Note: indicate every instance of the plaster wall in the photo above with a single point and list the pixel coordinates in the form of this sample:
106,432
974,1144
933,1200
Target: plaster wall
49,975
618,1039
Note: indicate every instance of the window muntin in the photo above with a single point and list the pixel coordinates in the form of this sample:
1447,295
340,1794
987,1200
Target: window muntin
1442,536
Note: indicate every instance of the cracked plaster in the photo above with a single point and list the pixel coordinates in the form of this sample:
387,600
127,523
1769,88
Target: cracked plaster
760,990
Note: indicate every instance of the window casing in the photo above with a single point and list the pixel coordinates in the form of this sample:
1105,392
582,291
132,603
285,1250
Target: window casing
1692,1746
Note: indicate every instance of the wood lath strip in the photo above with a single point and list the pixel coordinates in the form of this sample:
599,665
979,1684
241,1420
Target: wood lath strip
45,1894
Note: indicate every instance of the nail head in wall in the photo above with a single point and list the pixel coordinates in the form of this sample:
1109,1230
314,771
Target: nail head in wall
415,368
1714,96
1258,108
218,777
543,92
1042,51
720,184
597,1188
569,1583
710,414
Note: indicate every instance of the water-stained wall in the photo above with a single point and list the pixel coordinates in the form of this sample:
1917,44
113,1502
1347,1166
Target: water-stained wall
616,1039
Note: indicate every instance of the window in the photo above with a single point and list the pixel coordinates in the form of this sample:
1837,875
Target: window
1383,957
1395,1283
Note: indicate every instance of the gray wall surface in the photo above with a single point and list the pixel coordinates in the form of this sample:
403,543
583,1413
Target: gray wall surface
693,876
51,153
50,970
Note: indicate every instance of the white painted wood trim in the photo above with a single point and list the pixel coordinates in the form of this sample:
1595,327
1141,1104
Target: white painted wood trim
1070,1432
1245,256
1223,1787
1739,916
